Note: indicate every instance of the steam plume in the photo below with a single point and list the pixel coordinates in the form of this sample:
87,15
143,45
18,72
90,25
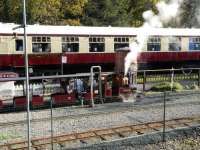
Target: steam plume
166,11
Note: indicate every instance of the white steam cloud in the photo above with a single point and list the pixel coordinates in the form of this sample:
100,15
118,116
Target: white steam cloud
166,12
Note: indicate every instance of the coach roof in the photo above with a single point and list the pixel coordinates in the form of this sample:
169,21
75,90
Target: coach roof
9,28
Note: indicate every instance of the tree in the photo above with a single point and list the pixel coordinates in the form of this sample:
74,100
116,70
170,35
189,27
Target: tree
190,15
11,11
72,11
44,11
106,12
137,8
116,12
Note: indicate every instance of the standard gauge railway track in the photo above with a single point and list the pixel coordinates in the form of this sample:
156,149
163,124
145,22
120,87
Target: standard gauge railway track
101,135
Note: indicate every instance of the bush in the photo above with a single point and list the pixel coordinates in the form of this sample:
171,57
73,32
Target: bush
166,86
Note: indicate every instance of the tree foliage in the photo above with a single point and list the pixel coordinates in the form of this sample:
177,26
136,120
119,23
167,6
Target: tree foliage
72,11
10,11
92,12
43,11
190,15
136,9
116,12
106,12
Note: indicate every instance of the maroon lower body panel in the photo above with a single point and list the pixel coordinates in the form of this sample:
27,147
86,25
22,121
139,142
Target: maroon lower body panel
17,60
37,101
90,58
20,102
60,99
145,57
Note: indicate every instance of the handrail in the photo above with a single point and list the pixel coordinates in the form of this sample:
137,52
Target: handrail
52,77
160,70
92,83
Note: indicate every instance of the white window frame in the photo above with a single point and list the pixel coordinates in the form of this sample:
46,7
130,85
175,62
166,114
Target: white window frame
121,40
195,41
94,40
176,41
154,40
70,40
41,40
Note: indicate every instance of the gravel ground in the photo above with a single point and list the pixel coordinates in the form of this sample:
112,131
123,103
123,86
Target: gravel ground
144,109
192,143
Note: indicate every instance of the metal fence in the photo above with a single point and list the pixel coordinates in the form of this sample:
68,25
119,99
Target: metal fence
162,115
191,75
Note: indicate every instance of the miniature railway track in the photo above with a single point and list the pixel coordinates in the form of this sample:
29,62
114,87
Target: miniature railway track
101,135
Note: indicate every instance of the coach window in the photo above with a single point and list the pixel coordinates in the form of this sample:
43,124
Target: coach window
194,43
154,44
96,44
121,42
70,44
19,45
41,44
174,43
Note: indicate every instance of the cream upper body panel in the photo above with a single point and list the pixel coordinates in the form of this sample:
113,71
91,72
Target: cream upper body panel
9,36
6,45
83,45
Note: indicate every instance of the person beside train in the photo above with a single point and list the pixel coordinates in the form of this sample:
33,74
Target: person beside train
70,86
79,86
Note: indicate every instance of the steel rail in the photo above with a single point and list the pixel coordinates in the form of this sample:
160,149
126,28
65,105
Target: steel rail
106,134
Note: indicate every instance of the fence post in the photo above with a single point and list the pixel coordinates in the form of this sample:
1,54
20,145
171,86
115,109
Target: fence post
199,77
51,103
144,80
172,79
92,82
164,115
100,86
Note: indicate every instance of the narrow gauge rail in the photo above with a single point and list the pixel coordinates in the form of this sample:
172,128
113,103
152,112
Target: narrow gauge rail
103,135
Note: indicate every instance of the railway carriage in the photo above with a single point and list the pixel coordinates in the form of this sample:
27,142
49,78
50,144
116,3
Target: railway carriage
77,48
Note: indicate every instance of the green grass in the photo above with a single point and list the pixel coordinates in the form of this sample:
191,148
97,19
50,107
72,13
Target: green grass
152,92
166,86
5,136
